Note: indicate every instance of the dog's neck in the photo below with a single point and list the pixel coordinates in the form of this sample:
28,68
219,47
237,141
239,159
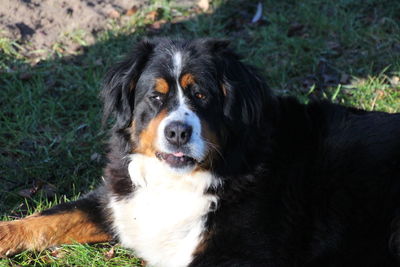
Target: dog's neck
163,220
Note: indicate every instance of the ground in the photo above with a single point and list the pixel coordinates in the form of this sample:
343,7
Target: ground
42,27
51,137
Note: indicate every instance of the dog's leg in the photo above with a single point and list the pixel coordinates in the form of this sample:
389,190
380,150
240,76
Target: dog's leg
81,221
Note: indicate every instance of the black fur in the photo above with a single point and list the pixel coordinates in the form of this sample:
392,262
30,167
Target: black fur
303,185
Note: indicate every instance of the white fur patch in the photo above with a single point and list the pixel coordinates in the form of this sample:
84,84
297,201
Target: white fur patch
177,62
163,221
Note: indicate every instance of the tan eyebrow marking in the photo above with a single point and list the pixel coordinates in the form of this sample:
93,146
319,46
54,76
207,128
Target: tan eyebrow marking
186,80
161,86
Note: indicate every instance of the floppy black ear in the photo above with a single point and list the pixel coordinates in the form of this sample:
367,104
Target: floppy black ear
120,82
246,94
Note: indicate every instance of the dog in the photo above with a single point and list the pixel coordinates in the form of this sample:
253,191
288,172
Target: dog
206,167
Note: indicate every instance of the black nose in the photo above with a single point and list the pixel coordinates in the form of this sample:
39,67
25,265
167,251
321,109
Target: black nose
178,133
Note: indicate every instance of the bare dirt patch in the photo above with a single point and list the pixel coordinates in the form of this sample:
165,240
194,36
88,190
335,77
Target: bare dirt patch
45,26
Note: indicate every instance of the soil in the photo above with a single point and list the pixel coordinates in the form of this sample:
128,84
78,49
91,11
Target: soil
38,25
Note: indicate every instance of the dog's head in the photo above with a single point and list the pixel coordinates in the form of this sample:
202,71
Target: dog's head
183,102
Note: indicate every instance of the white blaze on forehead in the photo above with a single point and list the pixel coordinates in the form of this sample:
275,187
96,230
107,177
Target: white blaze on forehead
181,98
177,61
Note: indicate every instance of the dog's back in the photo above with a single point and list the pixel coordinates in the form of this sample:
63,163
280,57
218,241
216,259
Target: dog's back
328,193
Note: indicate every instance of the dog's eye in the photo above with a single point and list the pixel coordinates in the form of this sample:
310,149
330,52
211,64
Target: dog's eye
200,96
156,98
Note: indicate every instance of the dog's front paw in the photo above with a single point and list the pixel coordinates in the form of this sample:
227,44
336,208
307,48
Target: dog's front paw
12,238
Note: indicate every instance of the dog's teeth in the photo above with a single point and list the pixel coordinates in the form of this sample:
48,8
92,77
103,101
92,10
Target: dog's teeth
178,154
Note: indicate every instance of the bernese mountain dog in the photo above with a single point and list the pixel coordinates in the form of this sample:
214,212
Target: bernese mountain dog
206,167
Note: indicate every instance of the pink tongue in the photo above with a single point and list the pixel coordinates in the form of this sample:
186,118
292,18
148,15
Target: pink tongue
178,154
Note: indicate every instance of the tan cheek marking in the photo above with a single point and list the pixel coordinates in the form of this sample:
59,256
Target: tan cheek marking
132,131
148,136
186,80
224,91
161,86
38,232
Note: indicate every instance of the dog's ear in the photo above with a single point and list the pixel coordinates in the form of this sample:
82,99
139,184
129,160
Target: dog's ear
245,93
120,82
244,90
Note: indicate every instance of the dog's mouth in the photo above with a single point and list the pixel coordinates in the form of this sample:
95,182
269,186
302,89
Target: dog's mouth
176,160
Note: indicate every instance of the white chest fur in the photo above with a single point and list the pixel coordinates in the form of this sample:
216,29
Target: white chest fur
163,221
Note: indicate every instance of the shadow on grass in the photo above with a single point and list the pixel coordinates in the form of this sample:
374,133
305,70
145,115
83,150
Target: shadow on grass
51,141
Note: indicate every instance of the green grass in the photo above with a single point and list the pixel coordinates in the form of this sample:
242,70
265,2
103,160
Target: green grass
76,255
347,51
